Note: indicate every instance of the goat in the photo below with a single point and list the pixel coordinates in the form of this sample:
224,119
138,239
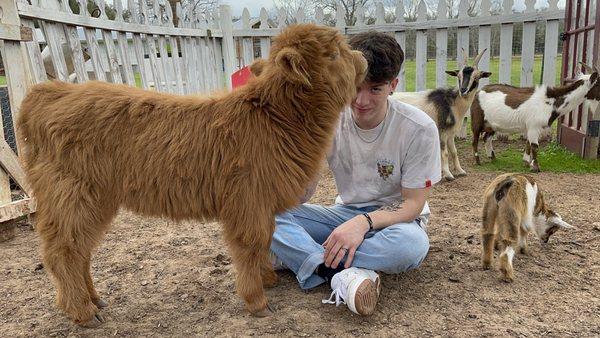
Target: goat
507,109
592,98
513,207
447,107
239,157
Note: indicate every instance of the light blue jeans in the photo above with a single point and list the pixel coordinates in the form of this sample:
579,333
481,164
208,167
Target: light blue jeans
300,232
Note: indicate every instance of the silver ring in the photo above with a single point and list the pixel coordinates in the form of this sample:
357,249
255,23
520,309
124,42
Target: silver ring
345,249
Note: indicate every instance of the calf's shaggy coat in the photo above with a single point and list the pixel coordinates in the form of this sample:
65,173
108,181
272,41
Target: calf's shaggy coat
513,207
239,158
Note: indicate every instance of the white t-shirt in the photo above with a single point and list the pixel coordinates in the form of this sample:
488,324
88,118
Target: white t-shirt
370,167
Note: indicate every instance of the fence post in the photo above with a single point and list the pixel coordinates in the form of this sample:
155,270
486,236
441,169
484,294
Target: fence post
227,43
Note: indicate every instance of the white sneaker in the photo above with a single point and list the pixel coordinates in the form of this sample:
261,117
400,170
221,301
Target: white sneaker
358,288
277,263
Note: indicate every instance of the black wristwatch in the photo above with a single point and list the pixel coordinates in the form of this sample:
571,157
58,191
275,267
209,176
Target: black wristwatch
369,220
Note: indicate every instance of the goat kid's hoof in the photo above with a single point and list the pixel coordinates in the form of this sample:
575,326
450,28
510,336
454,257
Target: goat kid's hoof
461,174
100,303
486,266
266,312
449,178
507,279
535,169
96,321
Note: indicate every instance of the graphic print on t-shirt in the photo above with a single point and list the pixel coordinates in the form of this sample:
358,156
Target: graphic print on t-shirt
385,168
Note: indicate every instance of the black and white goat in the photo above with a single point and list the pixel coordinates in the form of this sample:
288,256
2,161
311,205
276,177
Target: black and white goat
592,98
528,111
447,107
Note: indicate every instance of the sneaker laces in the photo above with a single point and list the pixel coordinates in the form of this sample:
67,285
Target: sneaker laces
338,298
340,283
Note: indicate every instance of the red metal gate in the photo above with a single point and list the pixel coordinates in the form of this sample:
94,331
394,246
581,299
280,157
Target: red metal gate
578,131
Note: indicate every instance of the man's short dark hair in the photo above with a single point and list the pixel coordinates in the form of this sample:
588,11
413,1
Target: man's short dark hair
383,53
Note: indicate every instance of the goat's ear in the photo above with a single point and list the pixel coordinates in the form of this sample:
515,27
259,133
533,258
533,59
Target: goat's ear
293,64
257,67
586,67
486,74
564,224
594,77
452,72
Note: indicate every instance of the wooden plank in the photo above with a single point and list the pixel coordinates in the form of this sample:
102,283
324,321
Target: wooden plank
32,12
441,48
247,44
528,48
138,47
157,70
550,52
166,63
36,63
484,42
55,40
227,45
401,39
123,47
92,46
506,37
74,54
265,43
175,54
10,164
17,209
421,50
15,33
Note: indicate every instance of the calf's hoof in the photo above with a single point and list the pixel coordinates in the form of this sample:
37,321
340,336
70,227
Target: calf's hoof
100,303
266,312
96,321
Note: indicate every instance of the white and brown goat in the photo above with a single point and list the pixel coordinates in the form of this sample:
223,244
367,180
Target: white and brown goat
513,207
592,98
447,107
529,111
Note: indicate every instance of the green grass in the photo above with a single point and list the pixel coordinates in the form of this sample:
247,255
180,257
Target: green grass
552,158
2,80
410,70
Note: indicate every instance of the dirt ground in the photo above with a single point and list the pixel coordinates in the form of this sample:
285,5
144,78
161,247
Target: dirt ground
176,279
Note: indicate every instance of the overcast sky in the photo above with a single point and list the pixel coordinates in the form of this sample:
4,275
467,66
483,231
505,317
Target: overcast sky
254,6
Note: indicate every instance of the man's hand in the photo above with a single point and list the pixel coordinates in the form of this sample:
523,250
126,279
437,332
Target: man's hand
345,239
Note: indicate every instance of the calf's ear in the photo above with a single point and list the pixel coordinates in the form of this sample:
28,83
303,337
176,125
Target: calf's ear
293,65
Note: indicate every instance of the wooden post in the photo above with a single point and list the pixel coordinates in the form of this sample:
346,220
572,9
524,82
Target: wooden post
227,43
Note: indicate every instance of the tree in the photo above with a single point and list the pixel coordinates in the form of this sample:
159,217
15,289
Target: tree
289,8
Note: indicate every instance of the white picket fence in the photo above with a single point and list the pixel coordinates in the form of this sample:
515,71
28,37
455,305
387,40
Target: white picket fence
144,48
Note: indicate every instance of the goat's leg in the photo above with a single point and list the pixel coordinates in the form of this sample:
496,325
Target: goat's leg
488,232
509,231
455,162
462,130
533,137
527,154
475,145
444,150
523,249
489,147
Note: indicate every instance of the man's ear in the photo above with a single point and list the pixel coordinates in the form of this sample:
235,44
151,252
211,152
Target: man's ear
257,67
293,65
452,72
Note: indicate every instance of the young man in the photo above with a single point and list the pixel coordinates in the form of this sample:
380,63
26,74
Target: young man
385,157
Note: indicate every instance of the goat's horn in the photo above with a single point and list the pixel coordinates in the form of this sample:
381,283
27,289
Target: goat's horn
586,67
465,57
478,57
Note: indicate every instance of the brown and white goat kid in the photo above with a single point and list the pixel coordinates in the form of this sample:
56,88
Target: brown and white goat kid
513,206
529,111
592,98
448,107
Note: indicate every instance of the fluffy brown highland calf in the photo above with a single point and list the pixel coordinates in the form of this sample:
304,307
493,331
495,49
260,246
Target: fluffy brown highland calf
513,207
239,158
